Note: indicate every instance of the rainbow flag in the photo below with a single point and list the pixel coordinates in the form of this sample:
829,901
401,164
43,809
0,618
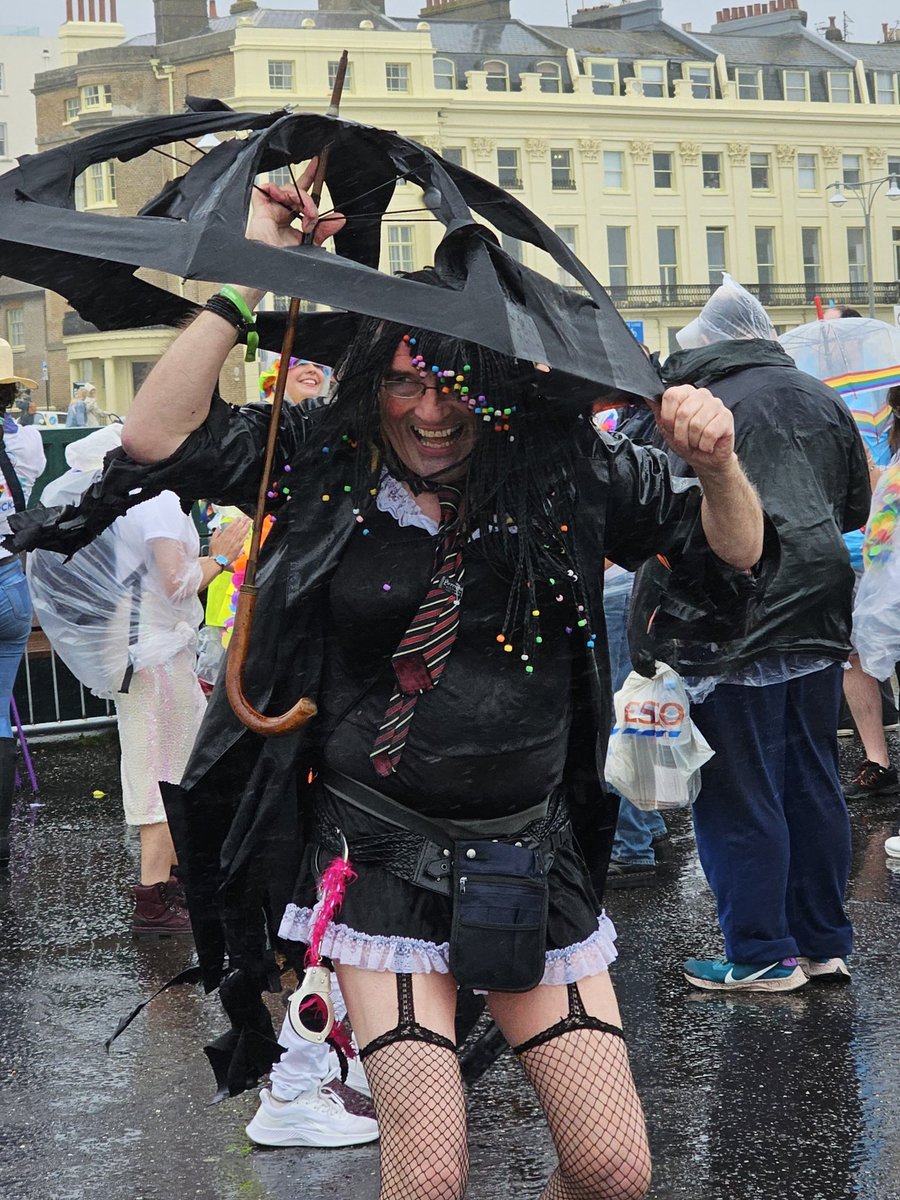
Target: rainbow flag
871,420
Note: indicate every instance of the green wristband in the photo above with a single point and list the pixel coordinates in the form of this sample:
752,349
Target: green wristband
235,298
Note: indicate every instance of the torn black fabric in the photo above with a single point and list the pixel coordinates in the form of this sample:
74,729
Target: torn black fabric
194,229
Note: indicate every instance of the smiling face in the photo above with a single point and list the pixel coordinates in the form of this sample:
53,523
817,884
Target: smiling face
429,433
304,380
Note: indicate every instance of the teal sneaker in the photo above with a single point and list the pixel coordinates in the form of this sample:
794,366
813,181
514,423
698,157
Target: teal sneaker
719,975
826,970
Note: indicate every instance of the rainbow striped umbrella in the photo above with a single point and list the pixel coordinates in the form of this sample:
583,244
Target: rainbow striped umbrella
860,358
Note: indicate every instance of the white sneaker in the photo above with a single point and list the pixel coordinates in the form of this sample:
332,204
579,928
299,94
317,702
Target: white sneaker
892,847
356,1077
315,1118
826,970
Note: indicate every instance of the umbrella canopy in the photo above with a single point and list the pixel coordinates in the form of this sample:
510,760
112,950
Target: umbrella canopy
194,228
860,358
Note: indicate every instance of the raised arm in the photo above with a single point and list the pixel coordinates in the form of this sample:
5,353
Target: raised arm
700,429
175,397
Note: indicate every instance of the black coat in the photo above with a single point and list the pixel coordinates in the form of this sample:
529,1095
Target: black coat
800,447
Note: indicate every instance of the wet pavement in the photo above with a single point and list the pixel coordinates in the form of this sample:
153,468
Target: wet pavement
747,1097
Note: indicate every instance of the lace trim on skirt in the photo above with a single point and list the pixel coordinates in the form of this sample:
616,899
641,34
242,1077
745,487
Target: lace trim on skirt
412,956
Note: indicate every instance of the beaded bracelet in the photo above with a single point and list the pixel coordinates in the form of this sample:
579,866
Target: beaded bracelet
231,306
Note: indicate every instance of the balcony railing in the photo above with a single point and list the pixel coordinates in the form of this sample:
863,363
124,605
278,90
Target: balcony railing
772,295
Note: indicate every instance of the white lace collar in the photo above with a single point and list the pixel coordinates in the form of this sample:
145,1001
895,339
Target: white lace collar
394,498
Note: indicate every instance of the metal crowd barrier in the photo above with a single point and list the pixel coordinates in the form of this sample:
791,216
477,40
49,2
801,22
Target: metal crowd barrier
52,703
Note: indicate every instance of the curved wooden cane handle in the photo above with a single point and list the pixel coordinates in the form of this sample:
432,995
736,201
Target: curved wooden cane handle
295,718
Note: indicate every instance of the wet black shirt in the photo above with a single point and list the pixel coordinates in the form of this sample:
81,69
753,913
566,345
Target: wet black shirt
490,739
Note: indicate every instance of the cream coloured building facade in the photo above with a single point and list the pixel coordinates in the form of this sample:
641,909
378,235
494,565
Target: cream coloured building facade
662,156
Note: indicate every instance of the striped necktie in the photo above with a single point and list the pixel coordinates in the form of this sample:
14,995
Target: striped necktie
420,658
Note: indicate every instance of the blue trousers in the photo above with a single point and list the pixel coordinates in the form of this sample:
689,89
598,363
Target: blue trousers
635,829
773,833
15,626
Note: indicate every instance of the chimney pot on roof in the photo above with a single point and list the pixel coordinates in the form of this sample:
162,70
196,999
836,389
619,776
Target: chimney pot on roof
212,10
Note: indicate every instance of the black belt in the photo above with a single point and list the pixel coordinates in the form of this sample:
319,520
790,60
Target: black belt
417,849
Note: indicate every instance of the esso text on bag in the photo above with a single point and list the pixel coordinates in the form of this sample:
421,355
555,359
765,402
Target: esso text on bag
652,719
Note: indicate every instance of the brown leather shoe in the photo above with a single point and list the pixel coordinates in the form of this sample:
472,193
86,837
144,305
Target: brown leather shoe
157,910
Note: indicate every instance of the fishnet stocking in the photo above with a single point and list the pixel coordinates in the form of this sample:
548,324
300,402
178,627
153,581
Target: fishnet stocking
579,1069
418,1096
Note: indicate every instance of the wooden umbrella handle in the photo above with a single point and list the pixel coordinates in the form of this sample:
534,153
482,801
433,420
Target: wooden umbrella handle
305,709
295,718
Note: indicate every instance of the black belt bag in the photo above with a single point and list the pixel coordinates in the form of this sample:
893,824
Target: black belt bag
499,890
498,938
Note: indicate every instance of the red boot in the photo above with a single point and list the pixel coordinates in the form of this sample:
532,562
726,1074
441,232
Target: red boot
157,909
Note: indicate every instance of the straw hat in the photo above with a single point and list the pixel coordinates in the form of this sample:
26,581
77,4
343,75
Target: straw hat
7,370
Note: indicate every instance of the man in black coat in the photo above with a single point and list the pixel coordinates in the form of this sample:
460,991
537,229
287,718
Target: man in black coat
772,829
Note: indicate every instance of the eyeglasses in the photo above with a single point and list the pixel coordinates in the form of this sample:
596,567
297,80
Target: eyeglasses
404,387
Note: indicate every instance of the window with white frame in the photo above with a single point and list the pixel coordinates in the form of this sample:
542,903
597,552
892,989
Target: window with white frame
893,164
663,170
796,86
715,254
760,172
614,170
15,326
840,87
444,74
604,77
455,155
702,84
895,232
401,247
96,95
4,144
281,75
568,234
652,77
667,253
711,167
764,238
562,178
101,184
509,173
72,108
856,254
551,76
851,168
497,73
749,83
808,172
96,187
811,247
396,76
617,253
333,66
885,87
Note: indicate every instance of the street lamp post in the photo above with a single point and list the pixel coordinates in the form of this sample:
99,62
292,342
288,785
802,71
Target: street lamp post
865,192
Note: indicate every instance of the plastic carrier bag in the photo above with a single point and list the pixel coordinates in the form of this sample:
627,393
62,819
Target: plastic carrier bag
655,752
876,611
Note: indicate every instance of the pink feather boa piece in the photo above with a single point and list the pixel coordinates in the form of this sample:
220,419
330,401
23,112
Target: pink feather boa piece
332,887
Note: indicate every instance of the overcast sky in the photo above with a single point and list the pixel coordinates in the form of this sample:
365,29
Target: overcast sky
137,15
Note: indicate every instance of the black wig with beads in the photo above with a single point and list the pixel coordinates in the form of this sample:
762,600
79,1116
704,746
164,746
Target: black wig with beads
517,490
